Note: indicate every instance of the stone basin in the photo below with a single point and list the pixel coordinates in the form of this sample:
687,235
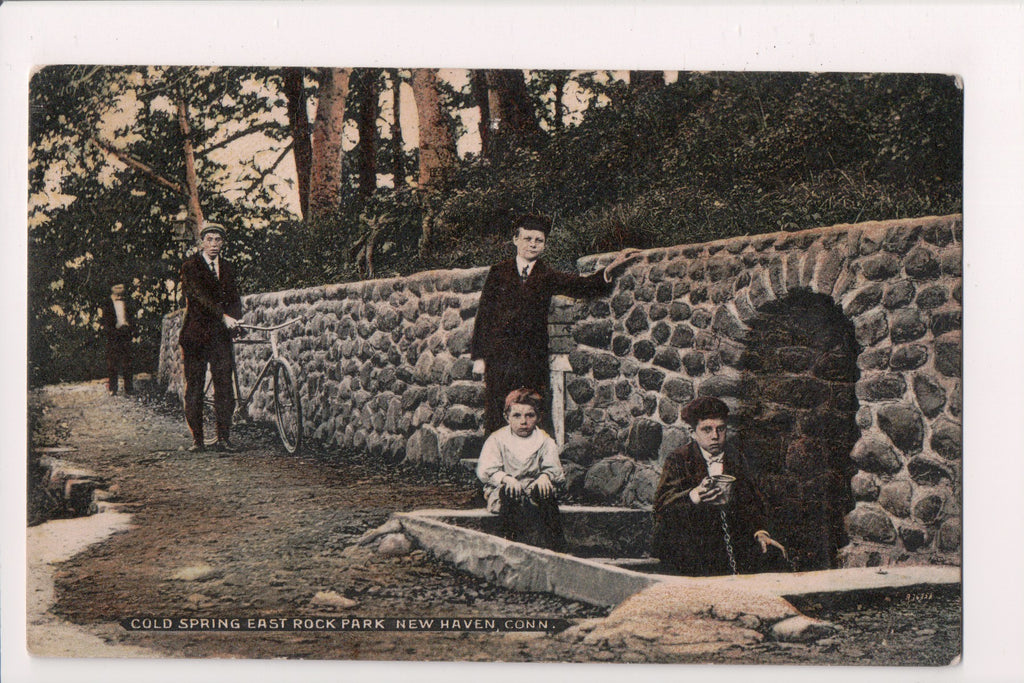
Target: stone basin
608,562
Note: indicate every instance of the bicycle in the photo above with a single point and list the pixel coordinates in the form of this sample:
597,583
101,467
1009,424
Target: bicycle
287,403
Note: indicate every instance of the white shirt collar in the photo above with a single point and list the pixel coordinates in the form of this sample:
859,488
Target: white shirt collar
708,458
523,263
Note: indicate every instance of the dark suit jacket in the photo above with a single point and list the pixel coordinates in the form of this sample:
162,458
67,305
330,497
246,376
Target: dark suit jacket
690,537
108,317
207,299
512,320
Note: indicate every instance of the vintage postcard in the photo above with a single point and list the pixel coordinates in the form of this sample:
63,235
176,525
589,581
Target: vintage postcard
415,362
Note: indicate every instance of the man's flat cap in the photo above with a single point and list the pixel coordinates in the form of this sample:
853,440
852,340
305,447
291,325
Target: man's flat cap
212,227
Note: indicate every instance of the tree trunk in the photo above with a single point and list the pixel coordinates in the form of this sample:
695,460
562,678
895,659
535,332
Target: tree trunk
437,147
646,80
368,112
397,150
195,211
478,86
518,121
561,78
325,174
298,119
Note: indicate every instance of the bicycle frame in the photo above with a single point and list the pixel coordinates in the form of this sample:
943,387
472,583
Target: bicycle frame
242,402
287,403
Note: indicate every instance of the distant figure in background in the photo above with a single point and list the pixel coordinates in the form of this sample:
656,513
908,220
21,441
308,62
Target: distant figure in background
521,473
702,525
117,314
212,310
510,334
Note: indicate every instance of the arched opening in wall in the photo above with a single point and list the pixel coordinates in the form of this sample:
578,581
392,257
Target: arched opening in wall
799,425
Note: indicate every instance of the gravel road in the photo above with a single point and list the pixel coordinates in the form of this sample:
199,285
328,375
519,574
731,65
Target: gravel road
261,534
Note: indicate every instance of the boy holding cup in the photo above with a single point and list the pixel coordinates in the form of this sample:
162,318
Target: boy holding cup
709,518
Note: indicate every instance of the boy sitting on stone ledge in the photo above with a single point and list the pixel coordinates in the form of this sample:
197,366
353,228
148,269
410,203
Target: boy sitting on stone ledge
520,471
709,517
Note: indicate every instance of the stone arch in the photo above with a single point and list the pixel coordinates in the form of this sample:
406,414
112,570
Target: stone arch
386,368
797,421
680,324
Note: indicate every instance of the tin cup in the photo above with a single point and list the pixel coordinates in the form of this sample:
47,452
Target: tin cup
724,482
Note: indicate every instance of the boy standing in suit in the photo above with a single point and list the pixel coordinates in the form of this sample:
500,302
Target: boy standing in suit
212,310
117,314
510,334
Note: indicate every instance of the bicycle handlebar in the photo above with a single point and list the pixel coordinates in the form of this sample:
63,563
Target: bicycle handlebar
257,328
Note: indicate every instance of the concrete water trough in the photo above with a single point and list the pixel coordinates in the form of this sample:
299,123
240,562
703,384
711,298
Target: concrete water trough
607,564
605,545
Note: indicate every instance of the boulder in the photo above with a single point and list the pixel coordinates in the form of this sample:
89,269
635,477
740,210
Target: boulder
874,455
394,545
872,524
881,386
801,629
871,327
637,321
921,264
950,535
928,509
644,439
606,478
947,439
422,448
895,497
596,334
864,487
909,357
902,424
949,354
931,397
906,324
331,600
864,300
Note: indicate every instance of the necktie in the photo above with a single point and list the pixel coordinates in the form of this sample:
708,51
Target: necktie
213,267
525,274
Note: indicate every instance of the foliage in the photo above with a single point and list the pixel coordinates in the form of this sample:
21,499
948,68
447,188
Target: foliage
717,155
94,221
712,155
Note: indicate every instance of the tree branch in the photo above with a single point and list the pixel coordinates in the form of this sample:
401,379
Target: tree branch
263,173
138,166
231,138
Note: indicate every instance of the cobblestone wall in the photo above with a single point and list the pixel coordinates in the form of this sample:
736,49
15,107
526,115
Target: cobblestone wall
872,385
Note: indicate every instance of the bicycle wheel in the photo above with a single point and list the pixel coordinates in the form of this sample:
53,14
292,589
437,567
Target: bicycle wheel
287,407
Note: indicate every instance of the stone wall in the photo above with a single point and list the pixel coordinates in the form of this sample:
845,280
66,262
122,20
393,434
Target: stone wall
838,350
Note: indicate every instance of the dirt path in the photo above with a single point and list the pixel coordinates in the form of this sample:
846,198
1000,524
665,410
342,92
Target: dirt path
52,543
260,534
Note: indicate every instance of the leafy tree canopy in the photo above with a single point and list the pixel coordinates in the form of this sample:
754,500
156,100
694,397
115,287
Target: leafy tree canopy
709,155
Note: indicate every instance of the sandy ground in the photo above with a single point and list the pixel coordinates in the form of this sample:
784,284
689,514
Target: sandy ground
262,534
48,545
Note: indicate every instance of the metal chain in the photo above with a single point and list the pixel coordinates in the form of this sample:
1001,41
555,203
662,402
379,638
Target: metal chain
728,542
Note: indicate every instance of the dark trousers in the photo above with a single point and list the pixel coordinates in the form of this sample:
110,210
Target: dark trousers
220,359
532,520
119,359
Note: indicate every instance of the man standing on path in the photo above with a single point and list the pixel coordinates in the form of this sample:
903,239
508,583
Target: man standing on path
117,315
212,311
510,334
